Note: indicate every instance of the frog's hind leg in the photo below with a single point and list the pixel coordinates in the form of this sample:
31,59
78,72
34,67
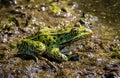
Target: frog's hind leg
31,48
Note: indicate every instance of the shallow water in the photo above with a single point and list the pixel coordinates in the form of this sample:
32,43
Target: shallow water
108,12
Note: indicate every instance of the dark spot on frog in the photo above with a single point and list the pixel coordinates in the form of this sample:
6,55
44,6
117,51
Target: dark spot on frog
44,41
61,39
54,38
44,36
48,44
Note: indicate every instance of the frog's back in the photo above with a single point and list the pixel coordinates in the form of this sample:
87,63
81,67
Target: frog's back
46,36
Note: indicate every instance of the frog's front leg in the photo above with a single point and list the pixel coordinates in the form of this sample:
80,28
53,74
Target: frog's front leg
56,54
31,48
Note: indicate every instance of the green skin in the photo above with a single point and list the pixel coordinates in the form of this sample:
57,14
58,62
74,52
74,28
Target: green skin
49,41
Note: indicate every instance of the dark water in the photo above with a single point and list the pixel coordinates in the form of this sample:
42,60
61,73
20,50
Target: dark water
108,12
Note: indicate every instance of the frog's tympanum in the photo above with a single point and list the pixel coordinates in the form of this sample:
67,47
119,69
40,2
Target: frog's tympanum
50,41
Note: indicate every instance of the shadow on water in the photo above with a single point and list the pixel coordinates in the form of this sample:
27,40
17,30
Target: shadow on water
108,12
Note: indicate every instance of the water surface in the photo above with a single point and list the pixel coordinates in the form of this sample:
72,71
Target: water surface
108,12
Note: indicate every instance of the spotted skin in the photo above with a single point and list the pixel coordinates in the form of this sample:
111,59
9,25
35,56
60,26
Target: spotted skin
49,41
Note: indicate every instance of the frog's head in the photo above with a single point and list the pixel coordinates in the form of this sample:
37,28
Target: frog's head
75,33
80,32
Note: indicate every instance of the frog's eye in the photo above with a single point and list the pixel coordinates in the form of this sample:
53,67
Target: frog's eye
74,31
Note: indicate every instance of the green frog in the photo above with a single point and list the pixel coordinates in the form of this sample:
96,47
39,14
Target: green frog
49,41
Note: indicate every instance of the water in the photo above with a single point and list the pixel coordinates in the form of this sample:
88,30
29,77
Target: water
108,12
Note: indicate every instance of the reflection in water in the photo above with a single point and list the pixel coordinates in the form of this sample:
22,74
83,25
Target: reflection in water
108,12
